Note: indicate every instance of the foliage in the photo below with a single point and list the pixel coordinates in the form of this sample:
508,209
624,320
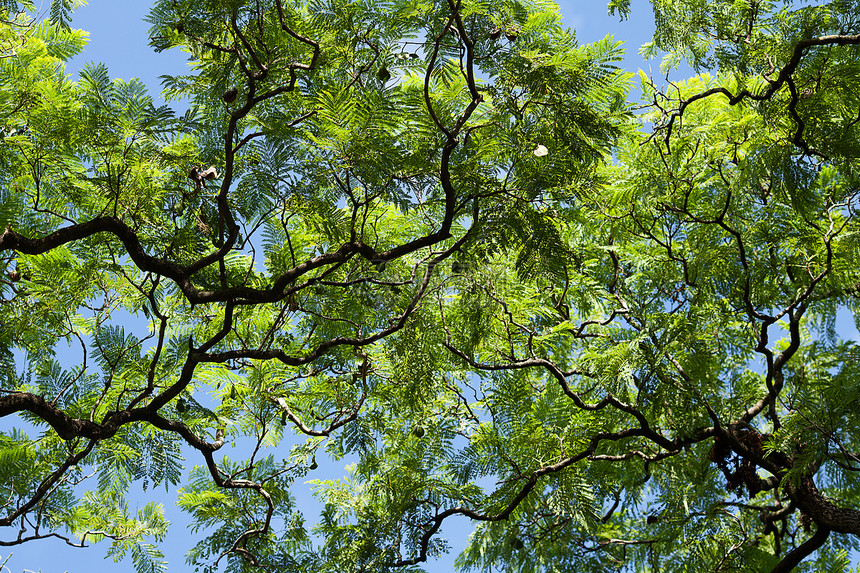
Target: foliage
434,241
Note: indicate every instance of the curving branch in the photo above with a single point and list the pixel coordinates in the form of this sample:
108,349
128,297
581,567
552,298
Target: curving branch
783,78
528,486
801,552
46,485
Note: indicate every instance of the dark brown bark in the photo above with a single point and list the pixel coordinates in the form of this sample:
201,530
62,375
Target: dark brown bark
822,510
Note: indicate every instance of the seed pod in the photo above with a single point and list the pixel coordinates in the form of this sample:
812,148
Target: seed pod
209,174
194,174
230,95
314,465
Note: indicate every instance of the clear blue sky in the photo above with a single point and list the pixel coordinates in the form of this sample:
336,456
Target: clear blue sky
118,38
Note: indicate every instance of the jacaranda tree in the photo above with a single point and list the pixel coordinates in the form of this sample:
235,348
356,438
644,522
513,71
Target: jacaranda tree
438,241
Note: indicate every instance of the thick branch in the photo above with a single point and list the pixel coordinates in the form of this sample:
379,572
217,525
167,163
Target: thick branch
822,510
798,554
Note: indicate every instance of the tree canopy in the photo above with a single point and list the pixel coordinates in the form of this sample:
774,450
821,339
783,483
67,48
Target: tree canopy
445,243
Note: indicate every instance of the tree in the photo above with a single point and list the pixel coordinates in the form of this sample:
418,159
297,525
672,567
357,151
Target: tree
436,239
